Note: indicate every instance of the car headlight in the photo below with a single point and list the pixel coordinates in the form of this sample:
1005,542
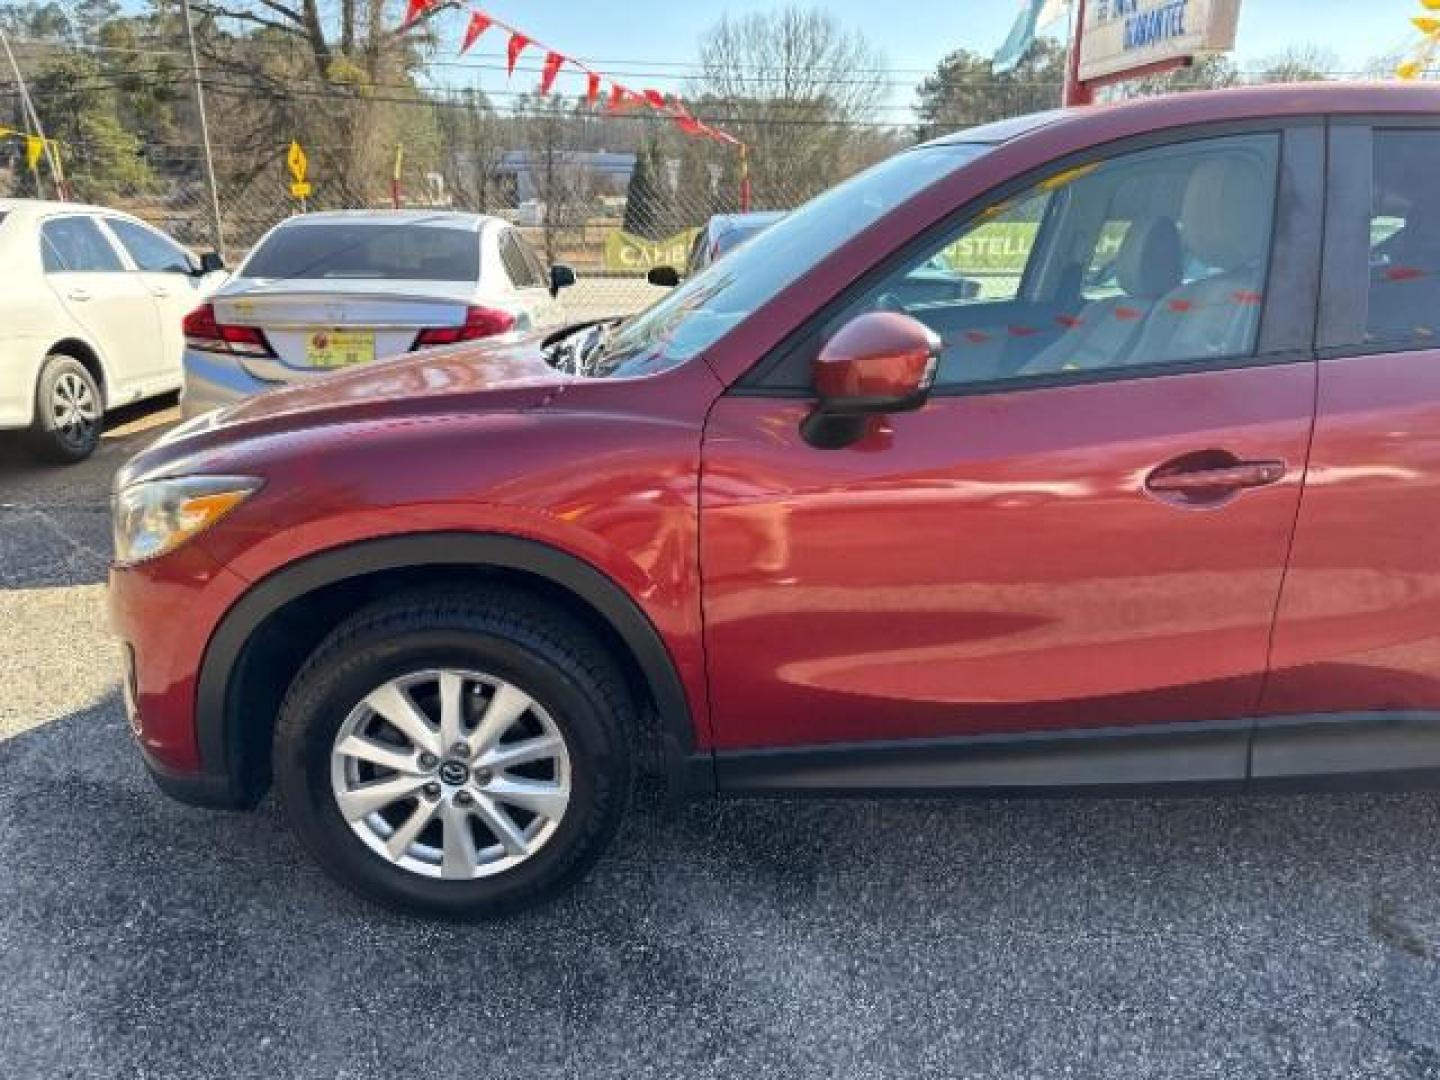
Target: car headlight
155,517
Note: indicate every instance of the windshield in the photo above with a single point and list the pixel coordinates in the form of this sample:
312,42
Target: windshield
705,307
374,250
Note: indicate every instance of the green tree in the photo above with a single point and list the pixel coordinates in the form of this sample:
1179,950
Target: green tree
963,90
103,160
645,204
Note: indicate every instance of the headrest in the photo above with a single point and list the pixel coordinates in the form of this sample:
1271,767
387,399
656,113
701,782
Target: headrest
1227,206
1150,263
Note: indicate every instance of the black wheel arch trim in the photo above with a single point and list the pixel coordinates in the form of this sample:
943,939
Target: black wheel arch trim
220,727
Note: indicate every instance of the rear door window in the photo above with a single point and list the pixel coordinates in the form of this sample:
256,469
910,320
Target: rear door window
75,245
148,249
1404,259
376,250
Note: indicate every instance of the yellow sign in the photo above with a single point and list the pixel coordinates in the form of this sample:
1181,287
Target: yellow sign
625,251
300,190
297,161
34,147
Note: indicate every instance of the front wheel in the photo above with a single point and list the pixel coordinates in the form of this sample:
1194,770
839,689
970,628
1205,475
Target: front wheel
456,755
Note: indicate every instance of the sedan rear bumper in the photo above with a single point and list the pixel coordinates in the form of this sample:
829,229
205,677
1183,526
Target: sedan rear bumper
213,381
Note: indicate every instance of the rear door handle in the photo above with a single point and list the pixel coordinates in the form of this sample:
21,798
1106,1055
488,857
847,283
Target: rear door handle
1210,478
160,294
78,294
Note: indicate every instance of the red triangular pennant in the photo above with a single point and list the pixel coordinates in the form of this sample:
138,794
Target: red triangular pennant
655,99
617,97
478,25
592,88
551,69
414,9
517,46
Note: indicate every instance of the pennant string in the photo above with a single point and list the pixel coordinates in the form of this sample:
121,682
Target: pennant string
620,98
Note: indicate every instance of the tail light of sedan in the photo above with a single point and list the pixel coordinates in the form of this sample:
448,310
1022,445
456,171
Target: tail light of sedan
207,334
480,322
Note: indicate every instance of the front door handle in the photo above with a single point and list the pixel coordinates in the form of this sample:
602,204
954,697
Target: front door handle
78,294
1210,477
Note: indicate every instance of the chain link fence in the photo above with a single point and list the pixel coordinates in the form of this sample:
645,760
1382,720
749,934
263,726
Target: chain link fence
613,215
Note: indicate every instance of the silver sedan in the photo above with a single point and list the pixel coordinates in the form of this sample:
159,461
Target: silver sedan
331,290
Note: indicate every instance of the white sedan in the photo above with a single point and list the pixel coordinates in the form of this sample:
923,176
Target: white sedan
329,290
90,318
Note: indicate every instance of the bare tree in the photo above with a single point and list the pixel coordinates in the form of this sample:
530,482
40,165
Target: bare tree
1300,63
549,129
474,139
793,84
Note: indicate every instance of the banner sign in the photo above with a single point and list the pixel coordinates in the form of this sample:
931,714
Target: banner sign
625,251
1121,35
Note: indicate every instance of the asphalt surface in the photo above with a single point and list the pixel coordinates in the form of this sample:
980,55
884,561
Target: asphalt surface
1251,937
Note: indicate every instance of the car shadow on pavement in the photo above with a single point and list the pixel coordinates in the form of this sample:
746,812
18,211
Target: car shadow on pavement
802,938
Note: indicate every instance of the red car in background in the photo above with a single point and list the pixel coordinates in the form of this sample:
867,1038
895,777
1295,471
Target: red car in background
1151,498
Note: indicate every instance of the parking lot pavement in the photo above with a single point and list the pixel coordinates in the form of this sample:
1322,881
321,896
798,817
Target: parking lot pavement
1255,937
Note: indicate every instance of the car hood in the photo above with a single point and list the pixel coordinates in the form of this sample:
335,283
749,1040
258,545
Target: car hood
478,377
512,373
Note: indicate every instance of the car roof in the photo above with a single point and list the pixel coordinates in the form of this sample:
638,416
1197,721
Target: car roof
454,219
1211,106
42,207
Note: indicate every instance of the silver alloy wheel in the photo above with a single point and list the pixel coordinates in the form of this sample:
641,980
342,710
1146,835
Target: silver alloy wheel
451,774
74,408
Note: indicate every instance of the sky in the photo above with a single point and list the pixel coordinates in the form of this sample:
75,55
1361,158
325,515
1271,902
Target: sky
653,42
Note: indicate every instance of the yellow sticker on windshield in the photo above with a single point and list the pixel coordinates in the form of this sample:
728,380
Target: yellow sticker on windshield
1069,176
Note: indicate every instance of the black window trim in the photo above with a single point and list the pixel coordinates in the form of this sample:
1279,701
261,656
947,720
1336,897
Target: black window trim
1286,333
1344,312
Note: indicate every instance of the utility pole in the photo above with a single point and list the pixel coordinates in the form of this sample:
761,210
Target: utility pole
29,107
217,229
1076,92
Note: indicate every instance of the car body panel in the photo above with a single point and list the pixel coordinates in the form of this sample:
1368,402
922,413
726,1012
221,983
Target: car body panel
993,563
1359,627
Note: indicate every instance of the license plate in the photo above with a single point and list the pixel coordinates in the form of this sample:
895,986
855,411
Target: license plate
339,348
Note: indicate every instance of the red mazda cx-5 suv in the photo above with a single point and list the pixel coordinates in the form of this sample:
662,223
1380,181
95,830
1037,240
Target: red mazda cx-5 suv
1141,488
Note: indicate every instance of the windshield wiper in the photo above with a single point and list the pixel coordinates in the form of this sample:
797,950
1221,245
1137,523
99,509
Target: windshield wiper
592,351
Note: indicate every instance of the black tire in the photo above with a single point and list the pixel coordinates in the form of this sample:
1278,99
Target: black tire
503,631
49,439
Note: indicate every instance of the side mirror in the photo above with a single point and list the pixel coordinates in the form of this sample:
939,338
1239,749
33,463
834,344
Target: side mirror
878,363
210,262
667,277
561,277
